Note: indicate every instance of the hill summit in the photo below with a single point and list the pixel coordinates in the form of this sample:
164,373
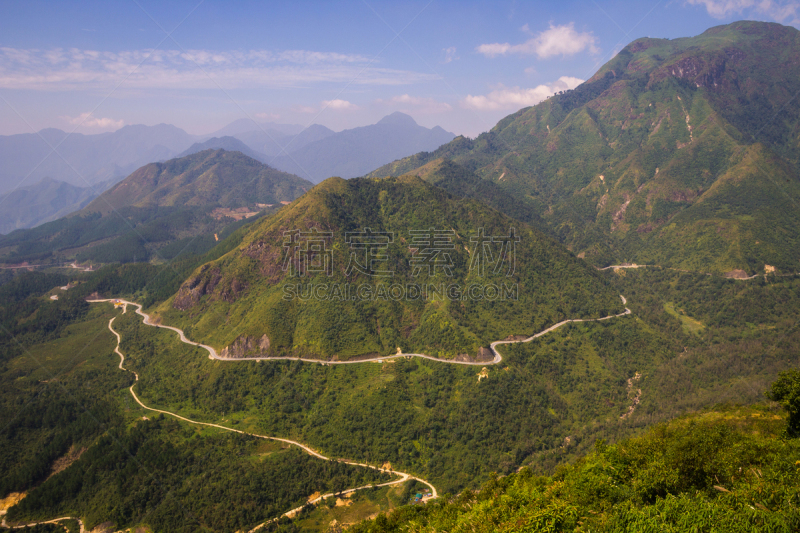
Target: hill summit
371,266
679,152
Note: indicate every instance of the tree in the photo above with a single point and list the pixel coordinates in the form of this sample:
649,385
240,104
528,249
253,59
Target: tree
786,391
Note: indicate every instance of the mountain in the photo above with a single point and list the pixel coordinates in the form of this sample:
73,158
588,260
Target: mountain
355,152
211,177
692,471
48,200
87,159
677,152
159,211
230,144
520,280
272,143
244,125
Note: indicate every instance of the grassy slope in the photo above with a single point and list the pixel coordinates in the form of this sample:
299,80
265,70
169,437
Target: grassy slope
241,294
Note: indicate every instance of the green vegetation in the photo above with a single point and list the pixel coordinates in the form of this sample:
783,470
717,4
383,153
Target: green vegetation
722,470
786,391
247,303
662,157
74,439
434,419
689,324
158,213
174,477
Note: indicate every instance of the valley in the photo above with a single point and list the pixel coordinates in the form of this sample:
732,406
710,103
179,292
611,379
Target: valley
582,319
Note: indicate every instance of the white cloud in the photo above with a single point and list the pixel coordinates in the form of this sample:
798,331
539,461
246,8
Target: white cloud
555,41
271,117
74,69
780,10
417,104
449,54
304,109
516,98
339,105
87,120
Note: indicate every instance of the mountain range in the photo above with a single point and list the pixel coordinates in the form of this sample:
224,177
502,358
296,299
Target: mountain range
45,201
95,162
681,152
184,200
355,152
318,153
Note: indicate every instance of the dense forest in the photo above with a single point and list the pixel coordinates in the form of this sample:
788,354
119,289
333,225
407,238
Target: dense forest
692,341
75,441
721,470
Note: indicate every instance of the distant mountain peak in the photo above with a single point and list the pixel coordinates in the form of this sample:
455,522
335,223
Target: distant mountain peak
398,119
231,144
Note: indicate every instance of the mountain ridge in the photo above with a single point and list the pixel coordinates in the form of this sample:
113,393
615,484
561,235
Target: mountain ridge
617,167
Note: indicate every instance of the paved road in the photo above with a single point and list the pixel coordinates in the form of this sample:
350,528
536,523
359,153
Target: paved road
403,476
694,272
53,521
212,353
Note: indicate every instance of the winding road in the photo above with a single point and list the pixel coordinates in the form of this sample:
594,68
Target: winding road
53,521
212,354
402,475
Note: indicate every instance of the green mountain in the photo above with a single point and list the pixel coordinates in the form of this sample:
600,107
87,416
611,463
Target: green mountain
214,178
378,286
721,470
679,152
159,212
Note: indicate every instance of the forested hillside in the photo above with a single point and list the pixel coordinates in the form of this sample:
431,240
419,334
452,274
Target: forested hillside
679,152
160,212
423,284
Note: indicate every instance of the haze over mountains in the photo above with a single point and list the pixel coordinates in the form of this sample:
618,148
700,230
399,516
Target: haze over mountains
186,199
94,162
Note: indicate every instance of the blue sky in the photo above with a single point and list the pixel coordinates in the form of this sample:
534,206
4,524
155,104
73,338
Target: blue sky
96,66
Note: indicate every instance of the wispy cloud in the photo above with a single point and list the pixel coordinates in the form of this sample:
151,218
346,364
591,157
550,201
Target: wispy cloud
339,105
271,117
780,10
416,104
556,41
449,54
87,120
516,98
75,69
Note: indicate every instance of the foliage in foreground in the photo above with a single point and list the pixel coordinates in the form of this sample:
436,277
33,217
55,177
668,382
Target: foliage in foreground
723,471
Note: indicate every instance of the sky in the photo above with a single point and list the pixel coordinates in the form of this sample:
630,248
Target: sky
92,67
